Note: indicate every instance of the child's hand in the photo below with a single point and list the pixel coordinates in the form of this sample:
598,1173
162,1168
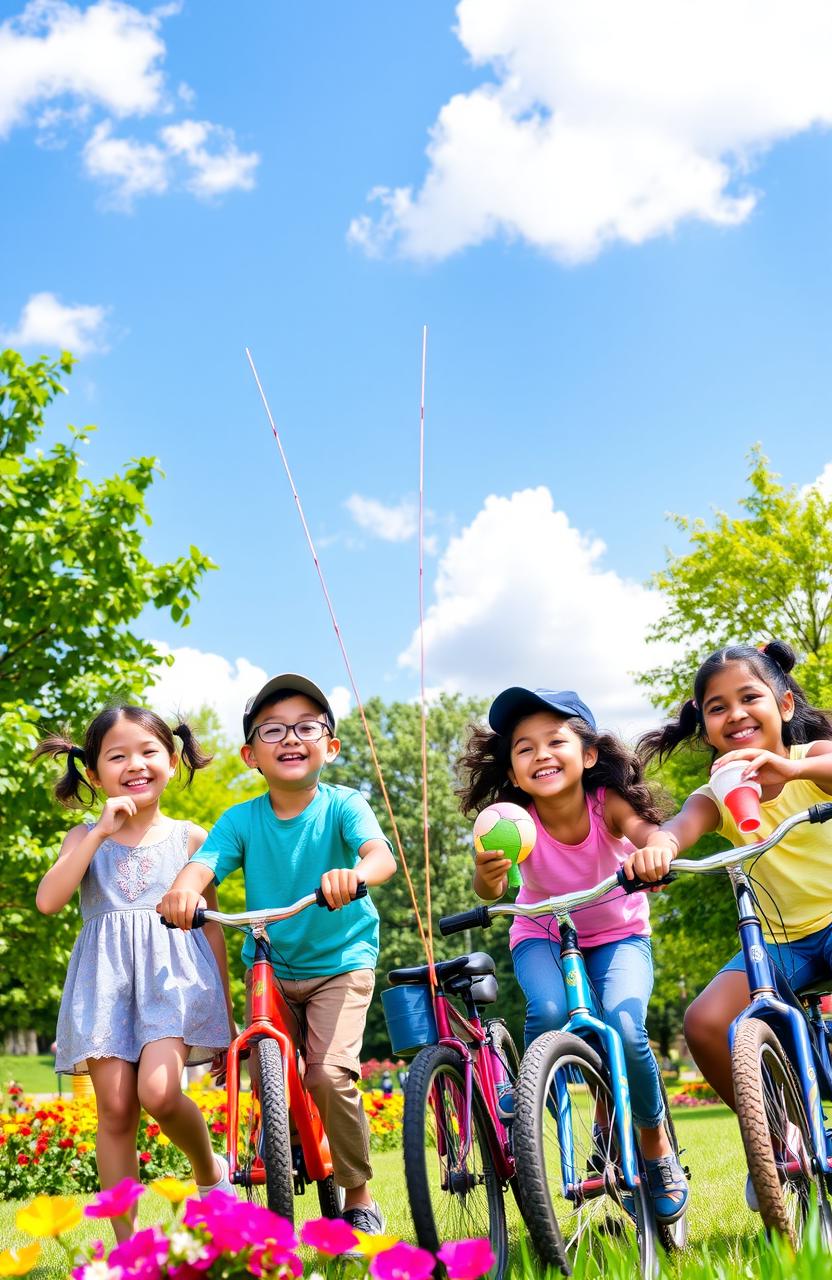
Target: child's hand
178,906
650,863
763,766
339,887
218,1067
492,868
116,812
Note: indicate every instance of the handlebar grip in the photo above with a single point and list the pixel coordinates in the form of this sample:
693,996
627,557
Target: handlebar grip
636,885
361,892
478,918
198,921
821,812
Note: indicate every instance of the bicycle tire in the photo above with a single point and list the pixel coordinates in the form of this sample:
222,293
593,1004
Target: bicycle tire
451,1197
276,1148
504,1046
673,1236
561,1065
768,1098
330,1198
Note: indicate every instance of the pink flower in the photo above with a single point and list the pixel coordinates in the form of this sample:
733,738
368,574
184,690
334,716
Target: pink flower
141,1257
117,1201
466,1259
267,1258
234,1224
403,1262
332,1236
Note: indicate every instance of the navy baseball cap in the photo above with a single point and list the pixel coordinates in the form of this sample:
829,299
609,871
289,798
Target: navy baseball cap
512,704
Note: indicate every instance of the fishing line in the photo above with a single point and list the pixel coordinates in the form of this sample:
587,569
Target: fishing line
424,710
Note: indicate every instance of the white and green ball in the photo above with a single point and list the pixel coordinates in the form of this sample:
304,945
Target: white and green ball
505,826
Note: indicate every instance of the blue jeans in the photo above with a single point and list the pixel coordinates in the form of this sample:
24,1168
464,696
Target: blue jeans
802,963
622,976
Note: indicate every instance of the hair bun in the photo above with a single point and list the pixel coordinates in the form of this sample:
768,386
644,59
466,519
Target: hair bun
781,653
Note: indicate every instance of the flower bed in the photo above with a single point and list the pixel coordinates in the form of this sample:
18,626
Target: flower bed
696,1094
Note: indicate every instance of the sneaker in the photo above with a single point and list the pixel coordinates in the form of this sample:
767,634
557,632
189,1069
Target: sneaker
668,1187
365,1217
222,1184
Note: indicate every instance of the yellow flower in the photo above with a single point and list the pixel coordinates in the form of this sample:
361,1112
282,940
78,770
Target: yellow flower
19,1262
163,1140
48,1216
173,1190
369,1245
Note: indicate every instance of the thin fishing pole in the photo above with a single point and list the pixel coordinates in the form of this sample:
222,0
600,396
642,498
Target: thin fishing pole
424,709
347,664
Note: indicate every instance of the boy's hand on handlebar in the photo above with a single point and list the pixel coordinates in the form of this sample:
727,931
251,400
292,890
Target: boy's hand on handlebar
492,868
339,886
178,906
763,766
650,863
116,812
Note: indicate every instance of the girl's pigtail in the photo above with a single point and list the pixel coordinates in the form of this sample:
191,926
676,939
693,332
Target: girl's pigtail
72,789
660,743
192,753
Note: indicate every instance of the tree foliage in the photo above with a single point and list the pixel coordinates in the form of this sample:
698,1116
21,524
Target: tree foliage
747,579
73,580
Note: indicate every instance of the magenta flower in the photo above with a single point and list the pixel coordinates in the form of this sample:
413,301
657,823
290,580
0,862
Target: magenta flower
466,1259
117,1201
265,1259
402,1262
235,1224
141,1257
329,1235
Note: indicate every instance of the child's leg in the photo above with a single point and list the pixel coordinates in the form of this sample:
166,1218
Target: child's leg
160,1093
117,1101
622,974
537,968
335,1014
707,1021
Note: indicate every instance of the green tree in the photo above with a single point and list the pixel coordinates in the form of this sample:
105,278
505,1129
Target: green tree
396,732
766,573
73,580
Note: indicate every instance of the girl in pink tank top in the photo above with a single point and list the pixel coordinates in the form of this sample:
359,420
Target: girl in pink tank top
593,813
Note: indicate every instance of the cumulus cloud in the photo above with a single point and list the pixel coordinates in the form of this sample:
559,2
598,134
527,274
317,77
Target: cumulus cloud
523,597
823,483
45,322
197,679
390,523
60,63
607,122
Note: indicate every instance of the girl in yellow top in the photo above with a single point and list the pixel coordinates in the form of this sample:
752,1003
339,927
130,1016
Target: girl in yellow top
747,707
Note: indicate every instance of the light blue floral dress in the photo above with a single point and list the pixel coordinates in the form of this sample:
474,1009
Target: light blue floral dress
130,980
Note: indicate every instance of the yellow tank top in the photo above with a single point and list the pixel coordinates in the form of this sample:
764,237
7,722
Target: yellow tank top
797,872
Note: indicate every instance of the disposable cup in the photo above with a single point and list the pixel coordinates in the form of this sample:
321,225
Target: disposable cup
741,796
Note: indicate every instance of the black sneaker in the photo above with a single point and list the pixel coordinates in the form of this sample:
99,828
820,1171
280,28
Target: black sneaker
365,1217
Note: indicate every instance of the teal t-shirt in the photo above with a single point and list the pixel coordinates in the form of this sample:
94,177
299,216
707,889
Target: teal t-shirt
283,859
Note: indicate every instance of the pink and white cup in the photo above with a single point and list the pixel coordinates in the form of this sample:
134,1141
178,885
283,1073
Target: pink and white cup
741,796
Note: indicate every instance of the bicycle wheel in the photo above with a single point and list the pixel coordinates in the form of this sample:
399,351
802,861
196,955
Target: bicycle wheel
673,1236
776,1134
330,1198
275,1149
452,1185
567,1164
505,1048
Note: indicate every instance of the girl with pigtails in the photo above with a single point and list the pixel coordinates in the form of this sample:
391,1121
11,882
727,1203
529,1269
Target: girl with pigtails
747,707
140,1002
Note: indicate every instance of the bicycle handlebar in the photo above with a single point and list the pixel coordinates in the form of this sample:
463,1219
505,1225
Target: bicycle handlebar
269,915
481,917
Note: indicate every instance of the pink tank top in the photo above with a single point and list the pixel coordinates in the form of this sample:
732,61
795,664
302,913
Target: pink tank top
553,868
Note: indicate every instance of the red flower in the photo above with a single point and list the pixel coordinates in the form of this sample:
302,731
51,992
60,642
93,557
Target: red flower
21,1159
152,1130
24,1130
145,1157
2,1139
219,1126
65,1144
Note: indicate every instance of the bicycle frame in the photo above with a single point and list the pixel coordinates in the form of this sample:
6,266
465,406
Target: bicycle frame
479,1073
268,1021
803,1037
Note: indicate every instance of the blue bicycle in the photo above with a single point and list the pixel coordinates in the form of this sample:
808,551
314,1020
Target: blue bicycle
580,1173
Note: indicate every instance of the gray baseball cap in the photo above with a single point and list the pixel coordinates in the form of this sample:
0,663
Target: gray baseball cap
289,682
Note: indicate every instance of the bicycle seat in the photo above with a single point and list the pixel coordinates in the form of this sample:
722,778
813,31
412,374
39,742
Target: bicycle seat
476,965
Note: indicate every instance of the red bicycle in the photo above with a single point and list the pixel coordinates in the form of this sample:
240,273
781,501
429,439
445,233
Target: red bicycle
276,1146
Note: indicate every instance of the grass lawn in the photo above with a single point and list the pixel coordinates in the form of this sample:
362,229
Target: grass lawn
718,1214
34,1074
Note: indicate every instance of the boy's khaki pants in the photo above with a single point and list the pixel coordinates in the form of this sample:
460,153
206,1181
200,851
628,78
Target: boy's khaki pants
326,1018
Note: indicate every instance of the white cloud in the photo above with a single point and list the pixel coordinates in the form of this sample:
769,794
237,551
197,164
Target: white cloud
198,679
823,484
59,64
45,323
390,523
522,597
607,121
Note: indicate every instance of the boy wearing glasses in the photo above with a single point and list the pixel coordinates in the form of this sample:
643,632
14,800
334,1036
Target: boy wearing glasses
298,833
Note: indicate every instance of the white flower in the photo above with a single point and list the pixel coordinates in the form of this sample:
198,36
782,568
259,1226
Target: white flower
101,1270
185,1246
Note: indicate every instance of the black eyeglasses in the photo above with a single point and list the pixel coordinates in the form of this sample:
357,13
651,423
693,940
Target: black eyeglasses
271,731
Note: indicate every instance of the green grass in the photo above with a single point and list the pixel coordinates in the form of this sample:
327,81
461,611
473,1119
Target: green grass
34,1074
719,1218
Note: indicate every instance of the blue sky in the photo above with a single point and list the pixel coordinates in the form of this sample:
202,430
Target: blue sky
616,226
